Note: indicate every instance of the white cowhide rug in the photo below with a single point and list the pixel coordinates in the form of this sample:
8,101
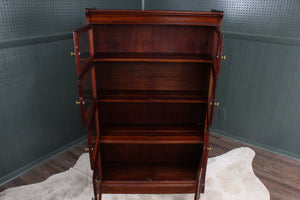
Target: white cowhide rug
229,177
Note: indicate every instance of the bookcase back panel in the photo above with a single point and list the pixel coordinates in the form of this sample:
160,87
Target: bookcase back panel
152,76
152,113
151,152
152,38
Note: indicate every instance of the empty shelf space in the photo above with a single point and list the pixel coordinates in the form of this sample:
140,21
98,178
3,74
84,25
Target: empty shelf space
151,134
153,57
149,171
153,96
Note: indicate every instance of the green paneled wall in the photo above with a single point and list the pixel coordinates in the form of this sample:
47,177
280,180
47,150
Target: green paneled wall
259,86
38,86
270,18
190,5
30,18
259,92
38,114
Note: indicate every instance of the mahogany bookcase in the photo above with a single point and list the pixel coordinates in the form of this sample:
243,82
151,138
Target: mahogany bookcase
147,84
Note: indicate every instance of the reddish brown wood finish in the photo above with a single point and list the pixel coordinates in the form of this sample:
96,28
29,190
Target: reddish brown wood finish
145,76
150,134
149,171
166,96
147,83
153,39
154,57
154,17
152,113
151,187
136,153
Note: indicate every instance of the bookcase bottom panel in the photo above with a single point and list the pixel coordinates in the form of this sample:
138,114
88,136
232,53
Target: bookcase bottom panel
148,187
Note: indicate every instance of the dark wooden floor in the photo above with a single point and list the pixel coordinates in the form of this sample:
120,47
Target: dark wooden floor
280,175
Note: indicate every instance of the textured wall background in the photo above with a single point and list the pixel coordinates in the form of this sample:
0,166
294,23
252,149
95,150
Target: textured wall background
38,84
259,86
270,17
258,91
188,5
38,114
29,18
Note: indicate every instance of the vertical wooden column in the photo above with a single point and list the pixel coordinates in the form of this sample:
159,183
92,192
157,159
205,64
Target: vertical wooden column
97,179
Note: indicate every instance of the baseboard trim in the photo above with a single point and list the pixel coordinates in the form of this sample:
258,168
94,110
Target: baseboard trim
255,144
39,161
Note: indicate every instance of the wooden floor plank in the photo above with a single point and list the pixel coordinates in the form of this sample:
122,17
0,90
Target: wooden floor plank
281,175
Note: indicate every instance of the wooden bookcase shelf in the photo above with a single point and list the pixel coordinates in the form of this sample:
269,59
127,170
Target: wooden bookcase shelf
153,96
150,134
153,57
149,186
147,84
